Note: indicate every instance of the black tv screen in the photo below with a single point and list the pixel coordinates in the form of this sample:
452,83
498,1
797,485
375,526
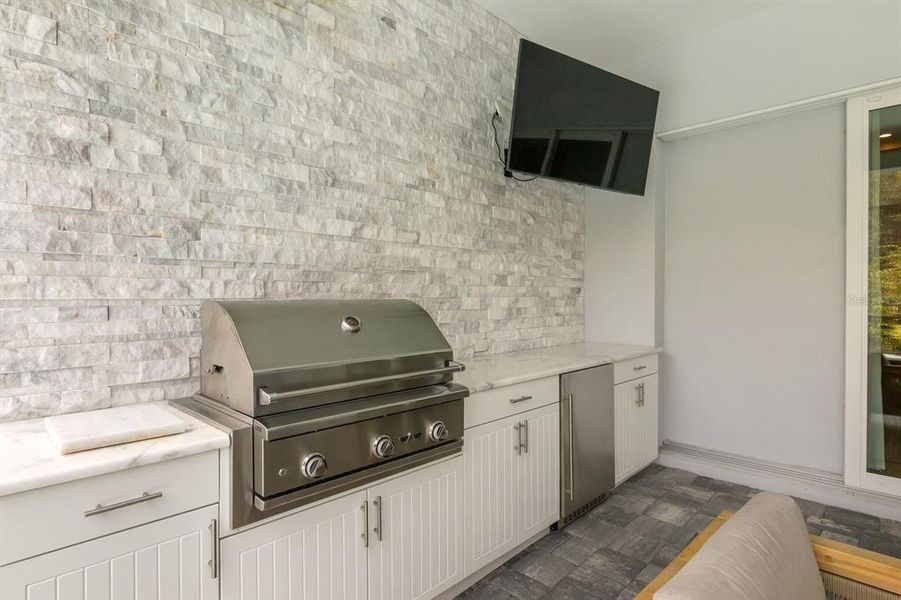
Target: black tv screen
575,122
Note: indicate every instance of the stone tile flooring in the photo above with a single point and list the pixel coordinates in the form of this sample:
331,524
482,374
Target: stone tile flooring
613,551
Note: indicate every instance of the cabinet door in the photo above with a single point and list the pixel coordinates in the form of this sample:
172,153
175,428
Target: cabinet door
170,558
636,420
489,516
628,425
416,534
538,471
315,554
649,418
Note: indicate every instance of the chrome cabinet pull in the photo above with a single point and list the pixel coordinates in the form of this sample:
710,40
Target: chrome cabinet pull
378,518
214,549
639,368
640,400
365,535
518,446
526,426
100,509
572,479
520,399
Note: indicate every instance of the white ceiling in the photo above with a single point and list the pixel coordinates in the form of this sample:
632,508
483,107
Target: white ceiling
611,33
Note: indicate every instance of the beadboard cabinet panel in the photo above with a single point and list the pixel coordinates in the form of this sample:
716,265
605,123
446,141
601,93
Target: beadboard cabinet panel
315,554
490,464
512,483
416,538
538,473
649,439
159,561
636,425
626,417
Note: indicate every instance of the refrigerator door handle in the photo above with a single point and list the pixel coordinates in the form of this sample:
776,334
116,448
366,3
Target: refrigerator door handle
572,450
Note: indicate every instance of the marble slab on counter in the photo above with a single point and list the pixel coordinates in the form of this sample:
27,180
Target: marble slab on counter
77,432
497,370
29,460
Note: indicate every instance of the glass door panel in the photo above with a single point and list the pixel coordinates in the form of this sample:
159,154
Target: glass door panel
883,412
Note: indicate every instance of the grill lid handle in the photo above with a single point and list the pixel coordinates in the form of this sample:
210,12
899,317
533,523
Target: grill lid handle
266,397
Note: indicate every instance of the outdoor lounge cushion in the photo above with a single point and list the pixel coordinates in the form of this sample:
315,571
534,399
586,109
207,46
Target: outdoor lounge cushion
762,553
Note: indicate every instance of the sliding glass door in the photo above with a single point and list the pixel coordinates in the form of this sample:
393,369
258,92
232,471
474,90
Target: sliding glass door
873,359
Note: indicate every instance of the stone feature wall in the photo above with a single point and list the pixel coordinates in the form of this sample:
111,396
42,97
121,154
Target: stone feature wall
156,153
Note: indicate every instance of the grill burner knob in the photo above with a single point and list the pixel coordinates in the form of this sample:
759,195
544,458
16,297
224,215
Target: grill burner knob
438,431
383,446
313,466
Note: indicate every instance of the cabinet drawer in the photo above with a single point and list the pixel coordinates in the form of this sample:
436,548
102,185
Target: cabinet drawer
634,368
166,559
45,519
509,400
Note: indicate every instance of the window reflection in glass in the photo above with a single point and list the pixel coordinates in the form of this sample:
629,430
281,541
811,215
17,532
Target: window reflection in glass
884,364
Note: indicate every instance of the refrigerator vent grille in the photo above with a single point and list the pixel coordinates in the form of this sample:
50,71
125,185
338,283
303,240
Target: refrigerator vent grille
582,510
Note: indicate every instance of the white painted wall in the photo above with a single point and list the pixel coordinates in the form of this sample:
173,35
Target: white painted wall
754,288
774,55
793,51
753,233
716,59
622,262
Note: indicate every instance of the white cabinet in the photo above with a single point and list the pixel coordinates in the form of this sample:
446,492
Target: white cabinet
489,507
633,368
398,539
512,488
635,421
509,400
416,541
315,554
539,471
143,494
171,558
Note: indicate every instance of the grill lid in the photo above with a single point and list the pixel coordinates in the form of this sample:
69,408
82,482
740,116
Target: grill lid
264,357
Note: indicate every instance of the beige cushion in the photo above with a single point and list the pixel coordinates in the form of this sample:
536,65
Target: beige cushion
762,553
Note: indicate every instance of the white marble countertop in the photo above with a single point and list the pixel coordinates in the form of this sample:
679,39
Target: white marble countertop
497,370
28,459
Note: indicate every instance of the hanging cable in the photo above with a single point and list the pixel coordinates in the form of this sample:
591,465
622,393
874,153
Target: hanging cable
500,154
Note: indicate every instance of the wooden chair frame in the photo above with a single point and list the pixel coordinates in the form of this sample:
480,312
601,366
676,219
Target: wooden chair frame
846,561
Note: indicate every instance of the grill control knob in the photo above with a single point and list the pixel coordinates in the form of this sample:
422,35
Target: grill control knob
383,446
313,466
438,431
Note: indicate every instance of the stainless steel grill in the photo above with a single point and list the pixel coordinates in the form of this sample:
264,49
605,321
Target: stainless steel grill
322,396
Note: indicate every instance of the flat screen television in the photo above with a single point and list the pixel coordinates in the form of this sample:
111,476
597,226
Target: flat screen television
575,122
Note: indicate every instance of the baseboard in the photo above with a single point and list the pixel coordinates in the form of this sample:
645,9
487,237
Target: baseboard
810,484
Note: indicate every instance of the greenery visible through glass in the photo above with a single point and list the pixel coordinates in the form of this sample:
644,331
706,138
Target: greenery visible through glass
884,324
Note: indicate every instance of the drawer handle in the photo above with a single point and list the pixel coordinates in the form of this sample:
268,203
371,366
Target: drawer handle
365,535
378,518
520,399
640,368
100,509
214,549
